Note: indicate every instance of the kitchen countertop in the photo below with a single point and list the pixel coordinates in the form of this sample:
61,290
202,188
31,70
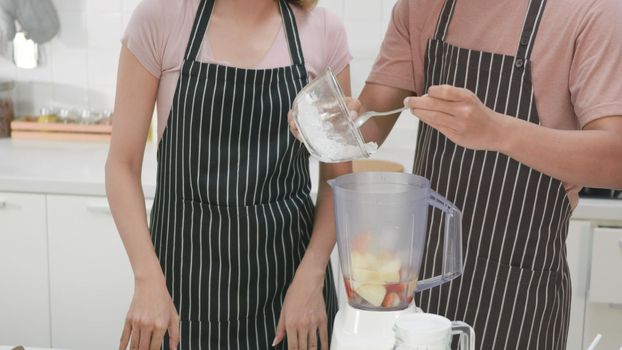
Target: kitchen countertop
77,168
62,167
4,347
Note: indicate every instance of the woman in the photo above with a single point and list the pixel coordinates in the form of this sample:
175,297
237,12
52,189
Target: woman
233,258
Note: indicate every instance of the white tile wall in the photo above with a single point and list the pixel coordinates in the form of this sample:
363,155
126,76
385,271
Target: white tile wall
81,62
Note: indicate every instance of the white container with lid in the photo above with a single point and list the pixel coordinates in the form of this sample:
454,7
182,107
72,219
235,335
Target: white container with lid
431,332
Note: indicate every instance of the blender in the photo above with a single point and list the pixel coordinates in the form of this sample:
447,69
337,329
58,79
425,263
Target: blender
381,223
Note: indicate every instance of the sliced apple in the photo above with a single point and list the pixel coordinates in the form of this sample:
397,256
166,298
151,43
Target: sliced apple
372,293
361,242
363,261
391,300
348,287
390,265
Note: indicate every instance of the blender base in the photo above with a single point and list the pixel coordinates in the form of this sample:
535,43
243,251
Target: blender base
366,330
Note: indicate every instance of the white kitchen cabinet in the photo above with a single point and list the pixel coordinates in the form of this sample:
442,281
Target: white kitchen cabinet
605,286
91,278
579,237
24,306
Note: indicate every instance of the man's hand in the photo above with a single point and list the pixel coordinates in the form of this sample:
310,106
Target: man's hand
459,114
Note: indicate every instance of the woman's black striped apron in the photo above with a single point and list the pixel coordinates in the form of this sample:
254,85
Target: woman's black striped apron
515,290
232,214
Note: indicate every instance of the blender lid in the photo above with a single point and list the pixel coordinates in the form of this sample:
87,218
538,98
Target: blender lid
374,183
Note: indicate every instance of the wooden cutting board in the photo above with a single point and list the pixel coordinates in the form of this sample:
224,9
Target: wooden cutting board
59,131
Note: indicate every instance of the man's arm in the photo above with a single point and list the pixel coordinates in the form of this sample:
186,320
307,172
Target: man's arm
590,157
380,98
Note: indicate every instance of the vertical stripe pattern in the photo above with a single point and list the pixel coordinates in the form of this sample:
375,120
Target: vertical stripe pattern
232,214
515,290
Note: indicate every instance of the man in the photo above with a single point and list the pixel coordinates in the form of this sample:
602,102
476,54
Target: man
521,105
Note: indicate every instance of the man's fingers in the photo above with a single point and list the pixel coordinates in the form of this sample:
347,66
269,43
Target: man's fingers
449,93
431,104
435,119
125,335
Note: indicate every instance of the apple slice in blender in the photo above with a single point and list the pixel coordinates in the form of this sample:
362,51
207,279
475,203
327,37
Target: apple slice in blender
372,293
349,290
391,300
361,243
389,268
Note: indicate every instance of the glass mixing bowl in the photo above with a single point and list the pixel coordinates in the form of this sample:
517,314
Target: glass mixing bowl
325,124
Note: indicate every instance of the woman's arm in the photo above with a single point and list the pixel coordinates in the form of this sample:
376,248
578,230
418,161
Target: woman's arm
304,311
152,311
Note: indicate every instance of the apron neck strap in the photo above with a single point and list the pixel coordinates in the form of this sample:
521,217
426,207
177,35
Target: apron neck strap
201,21
444,19
530,27
291,30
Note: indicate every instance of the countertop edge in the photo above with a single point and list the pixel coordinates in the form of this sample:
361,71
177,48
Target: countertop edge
68,187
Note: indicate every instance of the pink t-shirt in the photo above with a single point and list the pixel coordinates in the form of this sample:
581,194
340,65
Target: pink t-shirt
576,59
158,33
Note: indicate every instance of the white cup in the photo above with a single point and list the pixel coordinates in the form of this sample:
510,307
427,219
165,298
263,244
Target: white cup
422,331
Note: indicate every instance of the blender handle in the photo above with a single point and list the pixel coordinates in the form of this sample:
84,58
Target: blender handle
452,246
467,335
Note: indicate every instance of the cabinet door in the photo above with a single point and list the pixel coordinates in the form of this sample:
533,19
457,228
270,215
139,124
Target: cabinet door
579,257
606,276
24,295
91,278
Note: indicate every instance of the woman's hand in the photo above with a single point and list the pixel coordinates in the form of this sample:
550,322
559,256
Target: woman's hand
459,114
152,313
303,315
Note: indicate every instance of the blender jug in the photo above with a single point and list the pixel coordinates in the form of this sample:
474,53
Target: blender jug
381,223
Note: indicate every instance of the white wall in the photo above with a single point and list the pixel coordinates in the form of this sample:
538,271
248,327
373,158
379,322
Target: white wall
366,22
81,62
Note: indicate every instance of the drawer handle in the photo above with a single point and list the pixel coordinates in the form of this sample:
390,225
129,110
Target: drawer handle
620,242
102,208
3,203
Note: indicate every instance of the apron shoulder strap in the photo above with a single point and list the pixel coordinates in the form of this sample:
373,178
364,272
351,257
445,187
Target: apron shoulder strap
528,36
530,28
444,19
201,19
291,30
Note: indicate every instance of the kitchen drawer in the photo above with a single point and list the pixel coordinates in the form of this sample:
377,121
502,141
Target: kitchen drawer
24,298
91,277
606,274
